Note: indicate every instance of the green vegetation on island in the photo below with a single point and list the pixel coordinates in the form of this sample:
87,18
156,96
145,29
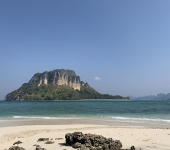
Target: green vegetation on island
54,92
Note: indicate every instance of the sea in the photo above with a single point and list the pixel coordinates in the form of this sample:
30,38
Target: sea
109,112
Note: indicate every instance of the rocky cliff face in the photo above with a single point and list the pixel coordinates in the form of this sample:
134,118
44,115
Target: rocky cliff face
57,77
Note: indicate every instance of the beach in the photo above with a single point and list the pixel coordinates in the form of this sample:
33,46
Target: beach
141,137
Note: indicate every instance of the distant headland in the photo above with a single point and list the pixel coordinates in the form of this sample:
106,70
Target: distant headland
59,84
159,96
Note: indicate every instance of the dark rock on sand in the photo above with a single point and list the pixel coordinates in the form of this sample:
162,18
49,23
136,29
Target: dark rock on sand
16,148
18,142
39,148
36,145
58,138
91,142
132,148
49,142
43,139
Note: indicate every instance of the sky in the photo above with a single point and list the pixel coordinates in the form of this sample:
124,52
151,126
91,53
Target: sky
119,47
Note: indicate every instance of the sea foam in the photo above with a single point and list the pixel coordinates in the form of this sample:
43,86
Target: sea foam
111,118
41,117
141,119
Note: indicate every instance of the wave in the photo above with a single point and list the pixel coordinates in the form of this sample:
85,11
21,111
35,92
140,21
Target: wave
110,118
39,117
140,119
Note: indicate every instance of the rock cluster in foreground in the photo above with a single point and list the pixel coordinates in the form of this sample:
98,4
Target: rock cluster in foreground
93,142
80,141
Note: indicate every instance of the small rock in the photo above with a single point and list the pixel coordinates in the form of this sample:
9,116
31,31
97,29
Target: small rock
49,142
58,138
39,148
16,148
18,142
43,139
132,148
36,145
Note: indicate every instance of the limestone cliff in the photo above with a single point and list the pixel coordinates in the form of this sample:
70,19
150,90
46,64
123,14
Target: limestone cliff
57,77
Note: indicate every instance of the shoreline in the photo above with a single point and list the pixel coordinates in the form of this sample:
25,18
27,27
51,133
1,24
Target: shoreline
65,100
141,137
87,121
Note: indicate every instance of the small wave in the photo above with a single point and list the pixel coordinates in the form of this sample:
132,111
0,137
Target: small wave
39,117
95,117
140,119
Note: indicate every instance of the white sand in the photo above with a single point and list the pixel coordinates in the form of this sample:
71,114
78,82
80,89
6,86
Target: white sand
140,137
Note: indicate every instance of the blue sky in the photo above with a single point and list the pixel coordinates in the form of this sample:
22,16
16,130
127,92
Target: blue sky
124,43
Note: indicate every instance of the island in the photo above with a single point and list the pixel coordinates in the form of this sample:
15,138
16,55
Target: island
59,84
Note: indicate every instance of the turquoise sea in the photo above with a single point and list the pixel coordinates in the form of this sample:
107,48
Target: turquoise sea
106,110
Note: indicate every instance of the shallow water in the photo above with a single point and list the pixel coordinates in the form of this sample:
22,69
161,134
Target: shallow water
155,112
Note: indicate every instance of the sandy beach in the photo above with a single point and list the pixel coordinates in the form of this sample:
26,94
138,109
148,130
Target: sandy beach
144,138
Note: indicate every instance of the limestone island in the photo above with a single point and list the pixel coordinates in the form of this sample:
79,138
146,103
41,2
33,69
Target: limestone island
59,84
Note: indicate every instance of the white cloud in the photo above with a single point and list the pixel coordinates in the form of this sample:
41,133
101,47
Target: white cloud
97,78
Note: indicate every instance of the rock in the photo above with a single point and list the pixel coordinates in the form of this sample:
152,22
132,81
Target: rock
39,148
58,138
57,77
76,145
43,139
16,148
36,145
91,142
18,142
132,148
69,138
49,142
